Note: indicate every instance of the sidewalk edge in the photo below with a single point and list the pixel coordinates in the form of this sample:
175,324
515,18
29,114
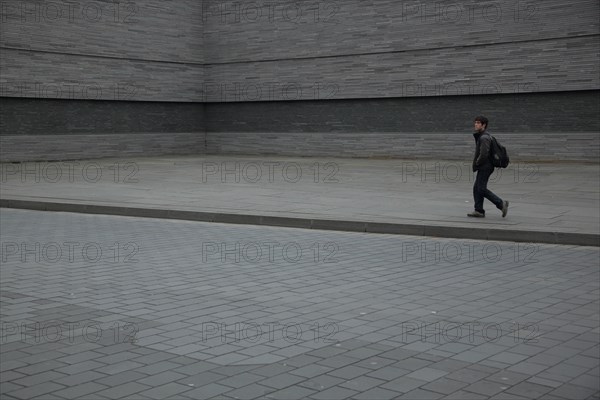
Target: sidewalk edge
510,235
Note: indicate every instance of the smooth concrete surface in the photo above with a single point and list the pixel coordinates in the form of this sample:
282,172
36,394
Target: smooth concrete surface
549,202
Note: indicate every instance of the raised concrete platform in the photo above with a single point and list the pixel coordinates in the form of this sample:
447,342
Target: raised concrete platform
550,203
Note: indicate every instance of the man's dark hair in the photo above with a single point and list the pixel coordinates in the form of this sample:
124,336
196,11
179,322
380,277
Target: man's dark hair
483,120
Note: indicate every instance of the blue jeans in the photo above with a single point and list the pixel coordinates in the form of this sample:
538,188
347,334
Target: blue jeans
480,190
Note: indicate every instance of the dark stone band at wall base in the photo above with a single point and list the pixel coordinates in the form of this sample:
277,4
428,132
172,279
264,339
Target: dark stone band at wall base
561,126
523,113
26,116
512,113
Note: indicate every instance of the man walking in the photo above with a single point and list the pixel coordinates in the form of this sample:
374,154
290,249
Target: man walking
484,167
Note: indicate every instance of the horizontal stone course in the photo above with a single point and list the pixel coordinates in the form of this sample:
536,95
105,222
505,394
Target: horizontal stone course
211,50
577,146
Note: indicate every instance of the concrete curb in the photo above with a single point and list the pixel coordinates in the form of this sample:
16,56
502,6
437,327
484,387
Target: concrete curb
510,235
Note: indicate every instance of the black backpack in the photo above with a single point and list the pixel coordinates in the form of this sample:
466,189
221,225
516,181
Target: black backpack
498,154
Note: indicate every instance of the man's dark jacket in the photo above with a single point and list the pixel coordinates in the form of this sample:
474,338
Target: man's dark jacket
483,144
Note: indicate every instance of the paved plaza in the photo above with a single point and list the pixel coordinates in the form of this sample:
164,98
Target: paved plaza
231,200
550,203
113,307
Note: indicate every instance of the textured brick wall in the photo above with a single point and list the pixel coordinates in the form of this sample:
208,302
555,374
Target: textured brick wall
295,50
386,48
241,31
149,30
117,66
541,126
150,50
82,146
50,129
563,146
25,116
429,127
516,113
551,146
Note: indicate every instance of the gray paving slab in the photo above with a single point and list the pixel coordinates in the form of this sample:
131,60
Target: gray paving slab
80,391
550,203
420,394
292,393
536,327
207,391
377,394
253,391
463,395
122,391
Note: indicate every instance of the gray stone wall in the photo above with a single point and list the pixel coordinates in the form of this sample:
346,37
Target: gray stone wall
84,77
148,30
51,129
356,49
26,116
242,31
249,75
220,51
426,127
558,126
83,146
552,147
521,113
149,50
